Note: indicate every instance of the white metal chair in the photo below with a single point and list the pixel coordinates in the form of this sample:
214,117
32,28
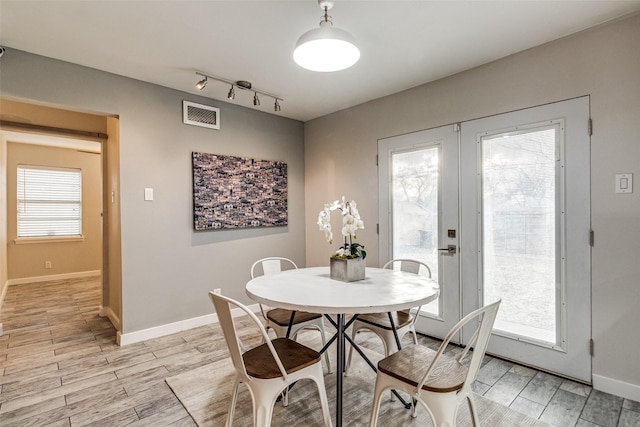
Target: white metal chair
404,321
438,382
268,369
278,319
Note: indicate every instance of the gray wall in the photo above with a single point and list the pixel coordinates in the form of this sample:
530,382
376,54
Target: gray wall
167,268
602,62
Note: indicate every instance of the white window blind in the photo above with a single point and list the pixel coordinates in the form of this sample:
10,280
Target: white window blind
49,201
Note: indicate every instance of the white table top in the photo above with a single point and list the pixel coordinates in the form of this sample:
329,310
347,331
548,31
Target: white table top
311,289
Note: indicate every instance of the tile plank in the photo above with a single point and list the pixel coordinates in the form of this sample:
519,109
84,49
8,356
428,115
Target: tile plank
602,409
60,366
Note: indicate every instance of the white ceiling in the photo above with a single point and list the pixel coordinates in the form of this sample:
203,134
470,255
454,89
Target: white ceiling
403,43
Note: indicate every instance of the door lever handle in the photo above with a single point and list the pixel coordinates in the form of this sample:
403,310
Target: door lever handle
450,250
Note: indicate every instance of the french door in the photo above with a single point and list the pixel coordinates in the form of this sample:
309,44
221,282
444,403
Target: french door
418,185
522,182
525,213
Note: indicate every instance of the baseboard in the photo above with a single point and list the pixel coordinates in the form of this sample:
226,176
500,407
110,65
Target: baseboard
2,295
4,292
617,387
108,312
63,276
172,328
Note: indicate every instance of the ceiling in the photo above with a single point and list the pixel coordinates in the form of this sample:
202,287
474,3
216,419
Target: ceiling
403,43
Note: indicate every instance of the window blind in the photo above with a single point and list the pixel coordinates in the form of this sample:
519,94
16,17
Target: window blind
49,201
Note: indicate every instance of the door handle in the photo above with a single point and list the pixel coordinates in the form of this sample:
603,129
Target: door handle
449,250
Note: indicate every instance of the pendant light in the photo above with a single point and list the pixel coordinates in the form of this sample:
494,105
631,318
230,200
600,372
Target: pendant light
327,48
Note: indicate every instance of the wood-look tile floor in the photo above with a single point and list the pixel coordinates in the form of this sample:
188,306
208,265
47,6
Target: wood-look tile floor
60,366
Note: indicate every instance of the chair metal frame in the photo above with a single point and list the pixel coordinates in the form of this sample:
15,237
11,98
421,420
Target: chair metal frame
442,405
273,265
389,337
264,391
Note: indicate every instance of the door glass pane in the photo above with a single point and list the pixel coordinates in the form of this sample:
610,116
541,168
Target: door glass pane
519,226
414,186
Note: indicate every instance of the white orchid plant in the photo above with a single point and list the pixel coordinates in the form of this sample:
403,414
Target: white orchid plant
351,222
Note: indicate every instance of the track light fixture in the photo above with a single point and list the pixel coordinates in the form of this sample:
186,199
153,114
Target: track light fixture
202,83
240,84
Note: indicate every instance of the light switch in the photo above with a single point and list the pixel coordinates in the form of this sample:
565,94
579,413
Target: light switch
624,183
148,194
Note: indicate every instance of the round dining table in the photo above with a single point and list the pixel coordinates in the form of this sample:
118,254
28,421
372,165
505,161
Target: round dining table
312,290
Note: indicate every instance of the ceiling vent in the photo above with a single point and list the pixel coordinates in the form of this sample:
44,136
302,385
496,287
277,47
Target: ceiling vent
200,115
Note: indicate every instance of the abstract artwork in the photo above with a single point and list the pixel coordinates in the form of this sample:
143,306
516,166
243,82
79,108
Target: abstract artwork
236,192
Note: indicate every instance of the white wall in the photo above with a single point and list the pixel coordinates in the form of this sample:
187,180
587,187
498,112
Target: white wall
167,268
604,63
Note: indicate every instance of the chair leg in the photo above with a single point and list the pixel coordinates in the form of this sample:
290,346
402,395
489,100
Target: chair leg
474,414
347,365
326,353
377,397
415,336
442,407
322,392
232,406
262,415
264,399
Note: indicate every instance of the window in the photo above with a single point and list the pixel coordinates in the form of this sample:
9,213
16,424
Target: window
49,201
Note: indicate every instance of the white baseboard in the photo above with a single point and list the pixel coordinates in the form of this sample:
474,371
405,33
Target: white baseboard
107,312
172,328
4,292
64,276
617,387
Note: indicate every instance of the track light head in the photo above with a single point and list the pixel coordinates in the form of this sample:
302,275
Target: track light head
202,83
239,84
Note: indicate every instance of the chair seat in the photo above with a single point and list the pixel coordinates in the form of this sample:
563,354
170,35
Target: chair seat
259,361
411,363
381,320
281,317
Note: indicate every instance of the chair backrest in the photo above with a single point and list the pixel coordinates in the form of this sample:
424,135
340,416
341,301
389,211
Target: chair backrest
409,265
222,305
271,265
478,342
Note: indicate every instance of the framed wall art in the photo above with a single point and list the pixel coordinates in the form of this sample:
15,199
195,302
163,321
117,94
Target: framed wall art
235,192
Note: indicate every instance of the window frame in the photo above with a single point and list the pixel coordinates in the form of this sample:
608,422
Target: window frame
19,201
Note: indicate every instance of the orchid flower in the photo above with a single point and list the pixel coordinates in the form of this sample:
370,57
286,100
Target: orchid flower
351,222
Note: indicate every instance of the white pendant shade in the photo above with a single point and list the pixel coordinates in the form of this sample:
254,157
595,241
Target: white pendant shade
326,49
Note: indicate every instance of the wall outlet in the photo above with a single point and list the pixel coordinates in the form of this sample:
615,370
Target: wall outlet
217,291
47,264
